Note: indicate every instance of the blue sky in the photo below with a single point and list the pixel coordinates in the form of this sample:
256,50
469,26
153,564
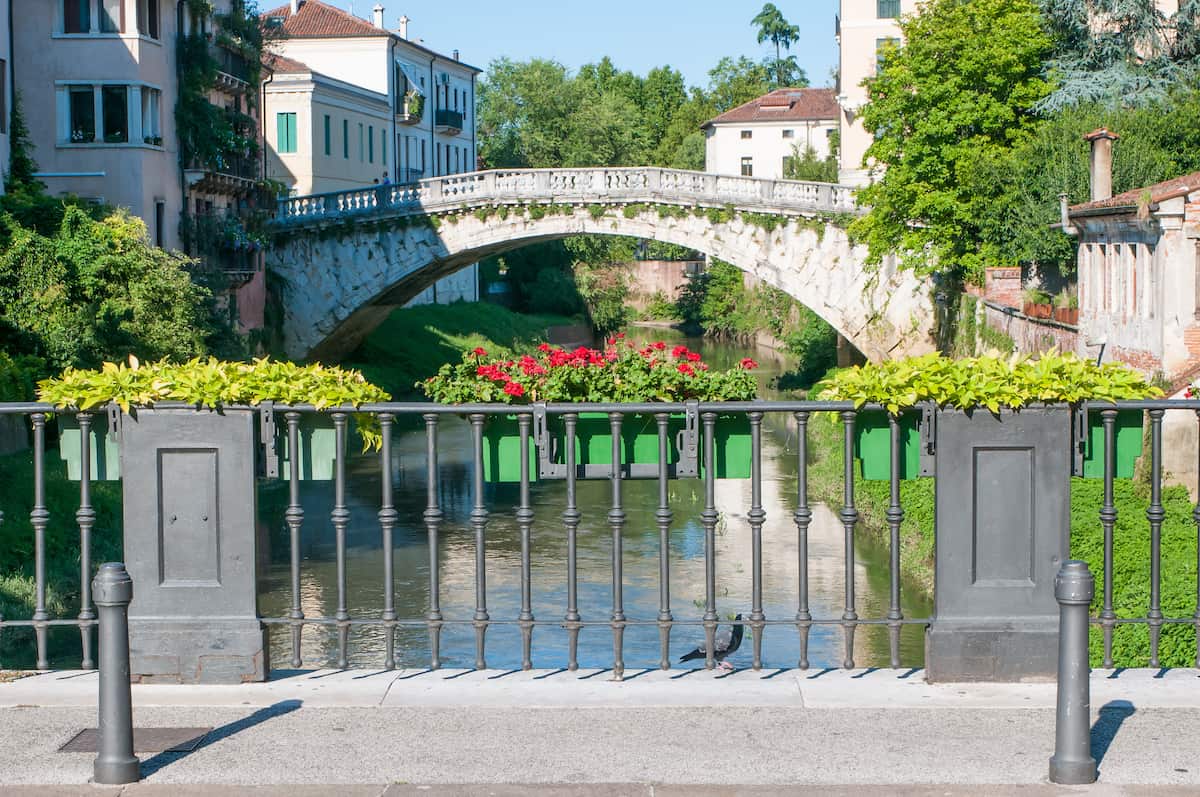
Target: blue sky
637,34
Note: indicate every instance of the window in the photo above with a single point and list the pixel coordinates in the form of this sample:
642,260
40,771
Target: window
151,129
285,132
82,109
346,139
328,136
160,221
77,16
360,142
880,46
370,144
789,133
747,134
3,96
115,109
887,9
148,18
112,16
383,144
747,167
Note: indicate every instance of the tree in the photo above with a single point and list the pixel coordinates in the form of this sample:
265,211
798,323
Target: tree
774,28
1119,52
21,166
959,93
734,81
805,165
522,111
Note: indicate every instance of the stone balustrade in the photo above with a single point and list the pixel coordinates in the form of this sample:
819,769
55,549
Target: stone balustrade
591,185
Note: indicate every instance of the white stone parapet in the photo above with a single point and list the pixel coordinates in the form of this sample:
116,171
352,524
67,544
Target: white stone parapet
624,186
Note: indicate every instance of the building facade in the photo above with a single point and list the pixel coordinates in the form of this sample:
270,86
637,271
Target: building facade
6,85
759,138
351,103
864,28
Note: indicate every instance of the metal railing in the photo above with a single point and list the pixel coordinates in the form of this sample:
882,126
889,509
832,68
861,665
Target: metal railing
448,119
613,618
588,185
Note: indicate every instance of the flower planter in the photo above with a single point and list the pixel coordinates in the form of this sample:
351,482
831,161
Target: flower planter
104,453
1039,310
873,445
1067,315
317,448
1128,439
593,444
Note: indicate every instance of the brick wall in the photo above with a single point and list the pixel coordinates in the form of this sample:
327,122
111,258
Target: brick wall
1003,286
1031,335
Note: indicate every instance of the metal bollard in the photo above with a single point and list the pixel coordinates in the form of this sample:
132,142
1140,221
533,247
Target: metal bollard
1072,762
112,591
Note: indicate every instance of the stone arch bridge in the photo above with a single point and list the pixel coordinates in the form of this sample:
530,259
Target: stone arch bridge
348,258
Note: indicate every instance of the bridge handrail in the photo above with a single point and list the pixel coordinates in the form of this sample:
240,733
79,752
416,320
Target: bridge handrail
599,184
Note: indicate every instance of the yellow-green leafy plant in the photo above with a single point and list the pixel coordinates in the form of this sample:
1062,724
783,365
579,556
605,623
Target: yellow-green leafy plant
988,381
214,383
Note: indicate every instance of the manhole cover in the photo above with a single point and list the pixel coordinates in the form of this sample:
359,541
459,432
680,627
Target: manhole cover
145,740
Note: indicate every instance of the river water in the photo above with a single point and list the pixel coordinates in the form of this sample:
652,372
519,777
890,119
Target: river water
364,560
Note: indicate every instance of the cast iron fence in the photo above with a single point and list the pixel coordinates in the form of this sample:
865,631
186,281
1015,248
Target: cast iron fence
575,618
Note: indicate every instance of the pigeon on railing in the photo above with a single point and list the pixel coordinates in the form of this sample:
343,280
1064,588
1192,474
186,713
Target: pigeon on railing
724,643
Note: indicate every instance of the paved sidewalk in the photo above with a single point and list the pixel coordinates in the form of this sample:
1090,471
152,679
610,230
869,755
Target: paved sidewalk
735,733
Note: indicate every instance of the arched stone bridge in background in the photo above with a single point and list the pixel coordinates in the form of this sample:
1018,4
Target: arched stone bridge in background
349,258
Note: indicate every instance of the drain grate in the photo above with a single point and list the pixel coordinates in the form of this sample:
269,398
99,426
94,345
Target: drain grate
145,740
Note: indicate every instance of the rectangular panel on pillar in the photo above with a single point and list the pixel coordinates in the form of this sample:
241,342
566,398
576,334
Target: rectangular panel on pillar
1003,529
190,546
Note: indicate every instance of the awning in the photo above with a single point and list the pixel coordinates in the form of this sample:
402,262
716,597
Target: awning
414,82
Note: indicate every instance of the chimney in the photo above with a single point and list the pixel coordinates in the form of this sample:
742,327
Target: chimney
1101,167
403,31
455,55
295,7
378,11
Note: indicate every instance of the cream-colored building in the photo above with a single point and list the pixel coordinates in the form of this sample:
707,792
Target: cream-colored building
6,86
759,138
98,86
352,104
864,27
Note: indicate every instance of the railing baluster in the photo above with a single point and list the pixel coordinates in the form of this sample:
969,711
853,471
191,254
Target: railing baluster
895,516
341,518
663,517
387,521
433,520
1196,518
524,521
479,521
708,519
616,520
39,516
803,517
86,519
849,517
294,516
571,517
756,516
1155,514
1108,519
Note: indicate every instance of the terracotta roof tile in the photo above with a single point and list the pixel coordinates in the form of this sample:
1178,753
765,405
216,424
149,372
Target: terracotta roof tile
1177,186
280,64
315,19
783,105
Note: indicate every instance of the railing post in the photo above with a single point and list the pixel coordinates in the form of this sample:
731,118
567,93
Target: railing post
115,762
1072,762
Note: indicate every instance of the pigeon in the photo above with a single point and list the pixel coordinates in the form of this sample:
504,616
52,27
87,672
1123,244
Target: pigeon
725,642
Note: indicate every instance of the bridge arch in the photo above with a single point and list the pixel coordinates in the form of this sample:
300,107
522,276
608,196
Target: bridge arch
349,259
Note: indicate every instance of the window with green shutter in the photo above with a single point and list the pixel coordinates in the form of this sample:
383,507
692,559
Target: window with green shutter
285,133
370,144
887,9
328,137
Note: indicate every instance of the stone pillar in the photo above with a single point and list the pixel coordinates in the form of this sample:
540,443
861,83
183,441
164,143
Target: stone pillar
1101,162
1003,530
189,503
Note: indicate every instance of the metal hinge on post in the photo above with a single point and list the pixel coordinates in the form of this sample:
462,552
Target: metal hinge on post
114,423
547,467
1079,439
266,426
928,431
687,442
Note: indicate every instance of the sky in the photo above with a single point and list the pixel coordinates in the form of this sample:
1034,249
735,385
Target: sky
637,34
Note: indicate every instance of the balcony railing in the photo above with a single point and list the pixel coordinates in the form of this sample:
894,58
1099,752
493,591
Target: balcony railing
231,64
408,176
449,121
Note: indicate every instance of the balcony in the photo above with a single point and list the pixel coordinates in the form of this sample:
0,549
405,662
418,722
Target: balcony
410,109
449,123
222,241
233,71
230,176
407,176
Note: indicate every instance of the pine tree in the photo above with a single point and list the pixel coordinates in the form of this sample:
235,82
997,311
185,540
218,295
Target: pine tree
21,166
1119,52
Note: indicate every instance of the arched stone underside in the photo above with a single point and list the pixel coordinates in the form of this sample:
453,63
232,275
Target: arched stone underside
339,287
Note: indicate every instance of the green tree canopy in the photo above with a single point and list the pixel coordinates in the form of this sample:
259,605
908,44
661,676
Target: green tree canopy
959,93
773,28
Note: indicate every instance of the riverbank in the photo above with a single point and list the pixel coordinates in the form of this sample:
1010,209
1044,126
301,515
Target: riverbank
413,343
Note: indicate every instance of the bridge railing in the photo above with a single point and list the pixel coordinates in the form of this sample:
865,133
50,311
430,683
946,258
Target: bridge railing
600,185
416,490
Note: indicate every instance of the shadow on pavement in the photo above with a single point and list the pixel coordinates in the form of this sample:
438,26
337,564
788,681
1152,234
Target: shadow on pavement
160,760
1112,715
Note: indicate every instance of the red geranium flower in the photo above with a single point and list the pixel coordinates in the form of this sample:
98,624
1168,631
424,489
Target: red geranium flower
748,364
679,351
545,347
479,352
514,389
693,357
686,369
659,345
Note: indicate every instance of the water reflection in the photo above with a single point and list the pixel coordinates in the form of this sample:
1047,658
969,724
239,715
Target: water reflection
456,555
